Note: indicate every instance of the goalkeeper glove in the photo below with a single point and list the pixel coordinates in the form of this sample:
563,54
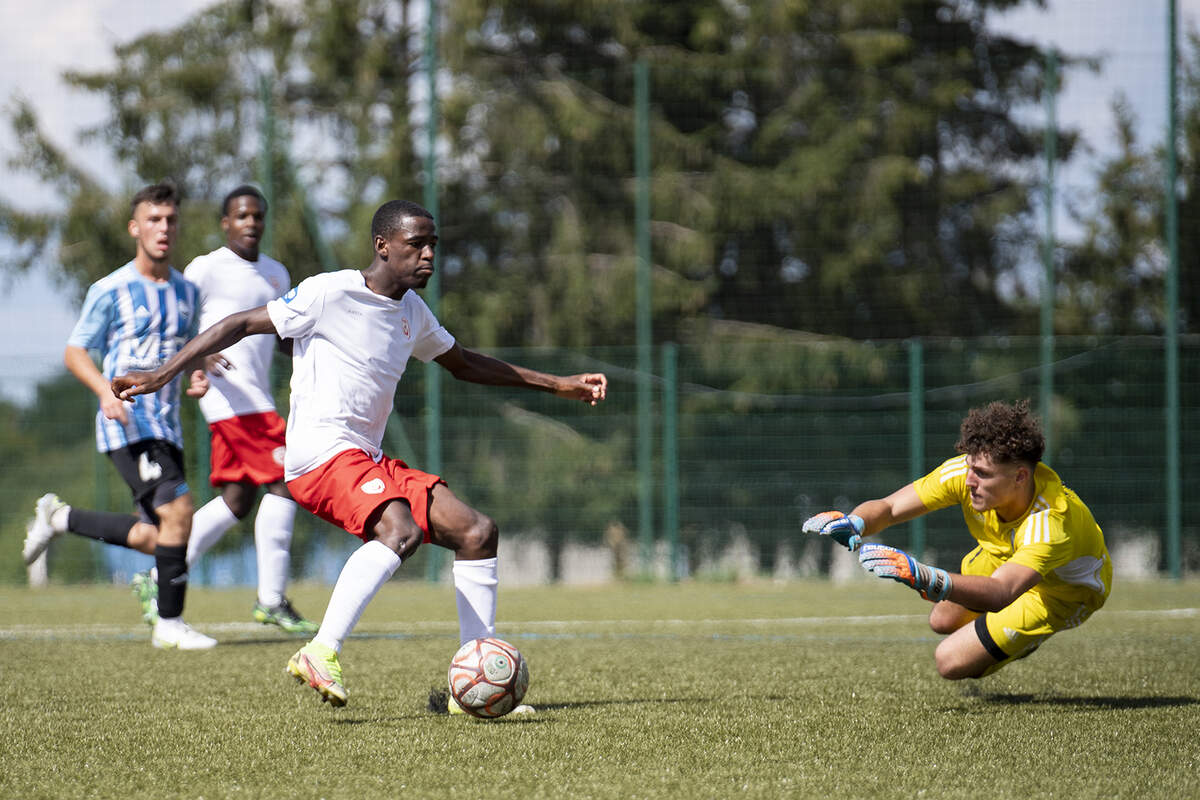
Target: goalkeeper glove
844,529
888,562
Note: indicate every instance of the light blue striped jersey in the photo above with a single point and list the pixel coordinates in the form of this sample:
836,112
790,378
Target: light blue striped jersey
137,324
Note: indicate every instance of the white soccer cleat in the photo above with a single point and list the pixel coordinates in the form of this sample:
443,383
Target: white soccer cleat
39,532
178,635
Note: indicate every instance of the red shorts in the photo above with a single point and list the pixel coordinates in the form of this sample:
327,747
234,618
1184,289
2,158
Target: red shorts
347,489
248,449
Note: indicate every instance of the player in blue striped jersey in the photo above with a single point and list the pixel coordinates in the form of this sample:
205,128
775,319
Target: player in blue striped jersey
137,318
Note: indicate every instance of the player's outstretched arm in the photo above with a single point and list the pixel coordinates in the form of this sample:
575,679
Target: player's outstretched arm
979,592
468,365
232,329
889,562
867,518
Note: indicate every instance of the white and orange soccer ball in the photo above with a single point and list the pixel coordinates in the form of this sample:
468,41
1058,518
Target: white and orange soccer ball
488,677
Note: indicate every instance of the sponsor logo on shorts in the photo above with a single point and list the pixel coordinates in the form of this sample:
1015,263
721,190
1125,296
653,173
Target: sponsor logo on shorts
290,296
148,470
277,455
373,486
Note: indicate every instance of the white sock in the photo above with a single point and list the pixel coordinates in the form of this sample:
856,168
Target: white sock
272,544
475,585
58,520
366,571
209,524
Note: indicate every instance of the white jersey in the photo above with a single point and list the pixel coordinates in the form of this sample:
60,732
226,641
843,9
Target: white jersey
350,349
228,284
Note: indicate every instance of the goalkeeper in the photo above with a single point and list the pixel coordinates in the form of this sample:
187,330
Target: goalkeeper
1040,565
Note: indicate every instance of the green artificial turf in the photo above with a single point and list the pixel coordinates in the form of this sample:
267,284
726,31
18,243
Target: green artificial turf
805,689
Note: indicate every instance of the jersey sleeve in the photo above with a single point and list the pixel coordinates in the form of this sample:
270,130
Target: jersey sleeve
432,339
1041,543
295,314
945,486
91,331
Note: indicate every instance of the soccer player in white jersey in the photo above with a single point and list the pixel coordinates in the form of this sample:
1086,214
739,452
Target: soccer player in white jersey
353,333
138,317
1040,567
247,435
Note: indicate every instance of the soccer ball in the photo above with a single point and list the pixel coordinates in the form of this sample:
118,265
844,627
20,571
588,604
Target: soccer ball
488,677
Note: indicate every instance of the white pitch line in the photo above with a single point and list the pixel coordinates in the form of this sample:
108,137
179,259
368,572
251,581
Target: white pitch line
134,631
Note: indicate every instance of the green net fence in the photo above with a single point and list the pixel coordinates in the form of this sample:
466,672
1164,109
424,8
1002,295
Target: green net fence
854,220
766,432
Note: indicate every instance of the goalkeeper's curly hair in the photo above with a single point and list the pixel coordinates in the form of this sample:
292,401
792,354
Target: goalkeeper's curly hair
1006,433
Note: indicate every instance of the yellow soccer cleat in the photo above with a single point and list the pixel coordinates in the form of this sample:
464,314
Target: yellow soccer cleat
318,666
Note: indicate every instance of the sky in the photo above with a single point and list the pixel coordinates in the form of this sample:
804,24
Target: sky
37,43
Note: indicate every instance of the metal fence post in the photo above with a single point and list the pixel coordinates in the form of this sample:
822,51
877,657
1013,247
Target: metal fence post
432,292
670,455
916,433
1173,544
645,426
1046,400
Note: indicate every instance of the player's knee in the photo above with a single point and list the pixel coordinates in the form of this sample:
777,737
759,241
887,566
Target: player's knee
480,539
393,525
947,617
940,623
953,666
143,538
402,537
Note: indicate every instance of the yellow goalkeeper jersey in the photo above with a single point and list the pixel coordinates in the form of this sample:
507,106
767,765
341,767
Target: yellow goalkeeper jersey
1057,536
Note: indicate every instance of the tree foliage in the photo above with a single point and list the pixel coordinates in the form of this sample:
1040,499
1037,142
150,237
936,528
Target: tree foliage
1110,281
197,104
841,166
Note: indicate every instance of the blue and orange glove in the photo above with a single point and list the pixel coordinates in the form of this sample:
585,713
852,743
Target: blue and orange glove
845,529
888,562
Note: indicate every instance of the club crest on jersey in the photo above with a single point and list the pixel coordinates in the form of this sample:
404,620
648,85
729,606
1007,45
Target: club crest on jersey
277,455
373,486
404,326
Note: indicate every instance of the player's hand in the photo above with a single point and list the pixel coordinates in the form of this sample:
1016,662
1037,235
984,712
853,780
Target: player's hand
217,364
889,562
114,409
197,383
131,384
591,387
845,529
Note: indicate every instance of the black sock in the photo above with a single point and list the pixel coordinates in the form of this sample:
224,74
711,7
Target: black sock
172,578
106,526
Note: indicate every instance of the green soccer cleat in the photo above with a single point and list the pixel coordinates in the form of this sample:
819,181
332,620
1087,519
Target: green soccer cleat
318,666
145,589
285,616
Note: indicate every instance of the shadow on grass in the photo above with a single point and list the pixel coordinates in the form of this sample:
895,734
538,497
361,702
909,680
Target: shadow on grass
631,701
299,642
1087,703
